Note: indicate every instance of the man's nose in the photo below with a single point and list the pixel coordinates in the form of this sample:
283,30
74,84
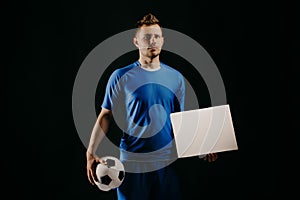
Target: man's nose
152,40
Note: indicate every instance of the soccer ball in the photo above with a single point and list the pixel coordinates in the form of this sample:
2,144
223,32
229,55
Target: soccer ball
110,176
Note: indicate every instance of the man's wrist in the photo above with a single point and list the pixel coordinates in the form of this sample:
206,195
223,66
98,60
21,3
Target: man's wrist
89,153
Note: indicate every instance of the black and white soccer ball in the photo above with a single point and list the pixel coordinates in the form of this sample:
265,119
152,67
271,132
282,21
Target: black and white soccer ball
111,175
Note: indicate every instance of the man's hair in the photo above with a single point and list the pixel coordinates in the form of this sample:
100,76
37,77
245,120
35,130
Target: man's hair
148,20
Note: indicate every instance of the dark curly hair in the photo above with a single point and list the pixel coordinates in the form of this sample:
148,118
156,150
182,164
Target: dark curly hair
148,20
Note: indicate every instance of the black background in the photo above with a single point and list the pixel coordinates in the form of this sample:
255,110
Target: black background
45,43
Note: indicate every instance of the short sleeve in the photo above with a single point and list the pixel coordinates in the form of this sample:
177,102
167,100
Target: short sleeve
112,91
180,93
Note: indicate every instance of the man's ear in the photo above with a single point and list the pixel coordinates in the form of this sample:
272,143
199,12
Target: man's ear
135,42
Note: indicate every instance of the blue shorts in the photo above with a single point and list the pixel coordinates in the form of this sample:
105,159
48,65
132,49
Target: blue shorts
162,184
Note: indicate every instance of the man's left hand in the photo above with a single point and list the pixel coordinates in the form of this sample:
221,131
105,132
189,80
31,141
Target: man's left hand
211,157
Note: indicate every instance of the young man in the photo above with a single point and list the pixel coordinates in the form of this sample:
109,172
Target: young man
141,97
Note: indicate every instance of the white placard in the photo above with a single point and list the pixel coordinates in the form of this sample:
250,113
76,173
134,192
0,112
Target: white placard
202,131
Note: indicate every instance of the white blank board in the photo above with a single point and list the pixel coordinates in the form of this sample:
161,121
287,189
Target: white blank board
202,131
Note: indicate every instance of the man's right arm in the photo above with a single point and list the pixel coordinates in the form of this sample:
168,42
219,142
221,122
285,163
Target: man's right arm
99,130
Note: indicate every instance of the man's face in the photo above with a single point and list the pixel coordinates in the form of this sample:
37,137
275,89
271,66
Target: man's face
149,40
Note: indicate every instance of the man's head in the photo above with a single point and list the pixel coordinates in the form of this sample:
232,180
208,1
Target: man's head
148,38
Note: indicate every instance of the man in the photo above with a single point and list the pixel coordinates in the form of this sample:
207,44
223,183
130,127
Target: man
141,97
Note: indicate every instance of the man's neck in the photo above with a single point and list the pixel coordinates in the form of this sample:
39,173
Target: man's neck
150,64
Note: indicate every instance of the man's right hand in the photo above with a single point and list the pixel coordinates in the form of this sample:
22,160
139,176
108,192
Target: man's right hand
92,162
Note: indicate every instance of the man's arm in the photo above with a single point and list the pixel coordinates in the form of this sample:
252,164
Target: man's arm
99,130
211,157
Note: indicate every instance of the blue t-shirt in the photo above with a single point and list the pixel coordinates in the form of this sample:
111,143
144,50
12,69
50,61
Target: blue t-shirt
141,102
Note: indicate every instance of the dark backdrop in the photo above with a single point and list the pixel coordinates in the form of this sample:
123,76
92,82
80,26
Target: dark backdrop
45,43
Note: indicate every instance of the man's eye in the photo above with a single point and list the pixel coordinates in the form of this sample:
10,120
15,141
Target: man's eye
147,37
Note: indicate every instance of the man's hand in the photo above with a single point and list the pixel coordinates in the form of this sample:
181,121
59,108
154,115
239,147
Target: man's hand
211,157
92,162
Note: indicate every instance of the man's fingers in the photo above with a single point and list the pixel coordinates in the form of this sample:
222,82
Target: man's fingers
213,157
102,161
210,157
90,178
216,157
91,172
94,176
